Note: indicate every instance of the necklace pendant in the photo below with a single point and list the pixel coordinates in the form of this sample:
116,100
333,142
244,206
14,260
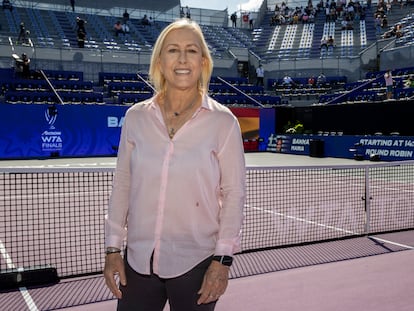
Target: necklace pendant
171,132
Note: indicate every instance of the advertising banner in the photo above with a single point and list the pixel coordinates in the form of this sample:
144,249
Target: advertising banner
385,148
30,131
41,130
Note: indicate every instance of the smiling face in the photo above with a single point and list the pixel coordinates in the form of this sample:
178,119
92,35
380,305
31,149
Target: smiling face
180,61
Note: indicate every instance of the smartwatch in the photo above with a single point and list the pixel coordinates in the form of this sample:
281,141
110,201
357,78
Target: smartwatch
224,260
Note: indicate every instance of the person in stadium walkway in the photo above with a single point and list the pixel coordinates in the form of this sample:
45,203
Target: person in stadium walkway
389,84
80,24
233,19
22,33
179,185
125,16
145,21
23,66
324,46
260,75
330,45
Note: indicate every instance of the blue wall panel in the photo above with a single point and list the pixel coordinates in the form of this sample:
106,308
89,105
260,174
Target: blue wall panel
29,131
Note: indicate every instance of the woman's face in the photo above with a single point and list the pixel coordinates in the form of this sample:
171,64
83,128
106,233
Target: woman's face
181,59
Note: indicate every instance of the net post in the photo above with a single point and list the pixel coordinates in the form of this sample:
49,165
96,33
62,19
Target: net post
367,201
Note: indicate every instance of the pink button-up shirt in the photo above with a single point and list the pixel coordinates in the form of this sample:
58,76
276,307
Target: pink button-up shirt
180,199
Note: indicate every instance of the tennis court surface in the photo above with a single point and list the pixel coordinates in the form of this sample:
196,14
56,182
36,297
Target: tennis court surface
319,234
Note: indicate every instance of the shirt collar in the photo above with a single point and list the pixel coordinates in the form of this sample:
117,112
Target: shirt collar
205,102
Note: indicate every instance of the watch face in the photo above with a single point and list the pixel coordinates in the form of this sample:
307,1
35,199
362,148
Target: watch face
224,260
227,260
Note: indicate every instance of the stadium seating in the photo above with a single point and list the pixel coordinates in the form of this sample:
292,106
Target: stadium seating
371,89
58,29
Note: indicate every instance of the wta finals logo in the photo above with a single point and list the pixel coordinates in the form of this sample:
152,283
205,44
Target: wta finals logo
51,116
51,138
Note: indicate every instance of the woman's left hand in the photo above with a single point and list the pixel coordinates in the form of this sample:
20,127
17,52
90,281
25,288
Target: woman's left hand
214,283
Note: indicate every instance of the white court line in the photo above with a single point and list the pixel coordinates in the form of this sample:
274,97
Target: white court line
23,290
304,220
330,227
393,243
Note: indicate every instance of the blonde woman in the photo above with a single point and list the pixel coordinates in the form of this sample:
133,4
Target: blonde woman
179,185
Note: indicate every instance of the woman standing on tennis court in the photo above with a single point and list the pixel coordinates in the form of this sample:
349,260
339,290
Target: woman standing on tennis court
179,185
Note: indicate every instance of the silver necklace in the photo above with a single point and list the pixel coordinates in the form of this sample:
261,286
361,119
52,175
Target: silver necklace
176,114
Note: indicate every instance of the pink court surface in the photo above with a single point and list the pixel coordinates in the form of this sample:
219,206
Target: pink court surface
380,282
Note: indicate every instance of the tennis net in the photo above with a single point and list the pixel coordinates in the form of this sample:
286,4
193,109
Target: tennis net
56,216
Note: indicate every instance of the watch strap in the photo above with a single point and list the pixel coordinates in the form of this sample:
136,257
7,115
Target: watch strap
224,260
112,250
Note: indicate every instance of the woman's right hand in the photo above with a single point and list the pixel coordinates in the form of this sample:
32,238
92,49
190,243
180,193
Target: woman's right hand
114,264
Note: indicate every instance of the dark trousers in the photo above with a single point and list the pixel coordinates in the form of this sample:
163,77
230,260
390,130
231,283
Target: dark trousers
151,293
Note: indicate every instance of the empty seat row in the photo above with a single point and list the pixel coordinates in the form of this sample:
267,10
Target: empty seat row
24,97
115,88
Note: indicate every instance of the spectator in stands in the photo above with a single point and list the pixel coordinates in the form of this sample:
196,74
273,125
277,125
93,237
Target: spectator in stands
7,5
80,24
305,18
145,21
72,4
178,203
118,28
125,16
395,31
409,83
187,12
288,81
330,44
311,17
349,23
260,75
327,13
23,66
324,46
22,33
311,81
388,6
277,19
125,28
398,31
295,19
250,21
321,80
344,24
384,22
389,83
378,22
233,19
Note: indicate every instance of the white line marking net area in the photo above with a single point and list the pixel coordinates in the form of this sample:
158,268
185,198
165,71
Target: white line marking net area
391,242
307,221
23,290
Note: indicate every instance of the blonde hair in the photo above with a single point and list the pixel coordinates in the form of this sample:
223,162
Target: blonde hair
155,75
